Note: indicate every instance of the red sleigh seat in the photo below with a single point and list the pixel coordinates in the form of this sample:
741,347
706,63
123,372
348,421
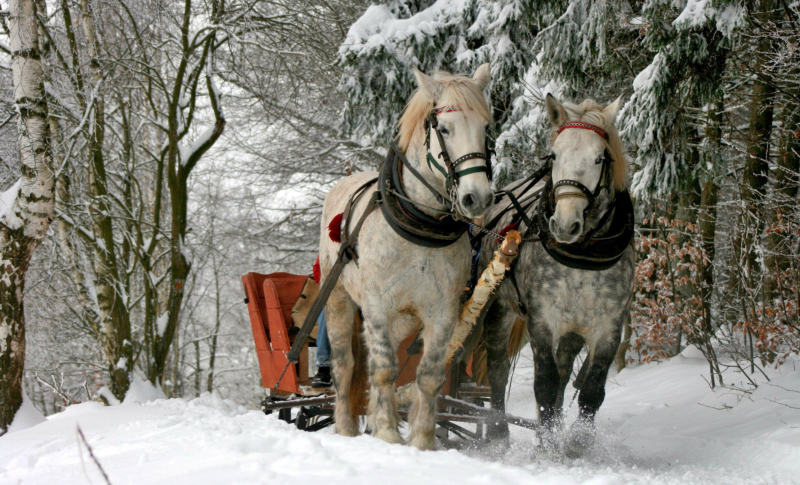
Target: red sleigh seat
270,299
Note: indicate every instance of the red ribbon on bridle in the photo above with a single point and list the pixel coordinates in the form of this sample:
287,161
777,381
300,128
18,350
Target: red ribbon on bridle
584,126
446,109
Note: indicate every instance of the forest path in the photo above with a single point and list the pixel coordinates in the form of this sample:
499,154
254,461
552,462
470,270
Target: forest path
655,428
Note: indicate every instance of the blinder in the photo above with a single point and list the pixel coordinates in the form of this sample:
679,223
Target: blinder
450,170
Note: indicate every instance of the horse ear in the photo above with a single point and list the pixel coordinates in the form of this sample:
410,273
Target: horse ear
556,112
428,84
482,76
612,109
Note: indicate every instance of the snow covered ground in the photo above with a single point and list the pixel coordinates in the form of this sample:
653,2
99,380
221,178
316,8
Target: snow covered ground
660,424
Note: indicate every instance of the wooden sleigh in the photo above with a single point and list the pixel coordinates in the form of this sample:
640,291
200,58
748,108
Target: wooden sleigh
270,299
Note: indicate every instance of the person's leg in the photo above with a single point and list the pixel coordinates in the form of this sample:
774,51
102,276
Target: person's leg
323,377
323,344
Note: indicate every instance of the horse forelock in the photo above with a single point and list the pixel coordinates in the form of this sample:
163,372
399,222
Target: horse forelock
458,91
590,112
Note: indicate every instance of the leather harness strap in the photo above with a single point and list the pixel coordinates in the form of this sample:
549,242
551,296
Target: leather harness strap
325,290
348,208
403,215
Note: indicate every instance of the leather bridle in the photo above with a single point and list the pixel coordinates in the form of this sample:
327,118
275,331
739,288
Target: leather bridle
585,193
450,169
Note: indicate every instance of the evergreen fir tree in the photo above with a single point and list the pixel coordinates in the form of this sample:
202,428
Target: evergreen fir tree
455,36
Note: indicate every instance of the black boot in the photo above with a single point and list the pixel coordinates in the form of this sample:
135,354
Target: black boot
323,377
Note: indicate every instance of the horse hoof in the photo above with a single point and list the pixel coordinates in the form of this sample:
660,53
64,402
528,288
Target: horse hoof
541,452
494,446
497,432
580,438
345,430
549,438
389,435
423,443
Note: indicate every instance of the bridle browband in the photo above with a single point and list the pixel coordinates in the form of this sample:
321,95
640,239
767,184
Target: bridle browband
584,126
450,170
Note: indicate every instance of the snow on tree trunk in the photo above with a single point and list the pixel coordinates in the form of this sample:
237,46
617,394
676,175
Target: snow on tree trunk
180,163
26,222
756,168
114,328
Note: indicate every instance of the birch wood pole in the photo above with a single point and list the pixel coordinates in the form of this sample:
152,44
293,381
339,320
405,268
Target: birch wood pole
489,281
24,224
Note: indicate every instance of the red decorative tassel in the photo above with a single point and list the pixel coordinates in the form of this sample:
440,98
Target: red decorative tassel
509,227
335,228
316,272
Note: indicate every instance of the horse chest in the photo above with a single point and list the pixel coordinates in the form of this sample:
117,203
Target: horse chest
572,301
421,282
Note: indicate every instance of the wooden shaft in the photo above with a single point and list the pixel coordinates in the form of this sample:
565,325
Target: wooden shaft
488,282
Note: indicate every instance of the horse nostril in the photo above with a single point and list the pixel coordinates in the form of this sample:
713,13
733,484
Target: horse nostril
468,201
575,229
553,225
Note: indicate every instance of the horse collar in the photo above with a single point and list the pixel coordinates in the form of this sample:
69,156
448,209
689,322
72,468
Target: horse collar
595,252
408,221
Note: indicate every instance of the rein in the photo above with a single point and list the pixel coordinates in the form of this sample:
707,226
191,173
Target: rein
404,215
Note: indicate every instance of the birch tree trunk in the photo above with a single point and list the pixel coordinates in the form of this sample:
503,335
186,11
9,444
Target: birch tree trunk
25,224
114,329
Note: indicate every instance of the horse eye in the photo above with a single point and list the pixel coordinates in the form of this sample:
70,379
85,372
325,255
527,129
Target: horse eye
598,161
444,131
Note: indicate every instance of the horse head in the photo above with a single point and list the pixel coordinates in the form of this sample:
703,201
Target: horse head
451,112
588,165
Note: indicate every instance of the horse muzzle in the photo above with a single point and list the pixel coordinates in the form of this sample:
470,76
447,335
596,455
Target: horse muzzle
566,223
475,203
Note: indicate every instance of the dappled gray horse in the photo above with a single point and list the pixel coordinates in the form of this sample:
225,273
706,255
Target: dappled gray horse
575,287
403,281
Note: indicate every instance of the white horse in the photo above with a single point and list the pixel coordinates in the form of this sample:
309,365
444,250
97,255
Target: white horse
400,286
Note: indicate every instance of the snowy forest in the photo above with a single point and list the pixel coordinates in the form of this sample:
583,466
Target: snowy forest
154,151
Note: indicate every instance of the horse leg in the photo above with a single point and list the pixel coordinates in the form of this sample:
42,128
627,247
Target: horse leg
382,417
430,377
581,434
546,384
569,346
340,316
498,323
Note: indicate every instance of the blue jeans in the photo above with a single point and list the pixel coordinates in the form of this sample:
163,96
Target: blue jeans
323,344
